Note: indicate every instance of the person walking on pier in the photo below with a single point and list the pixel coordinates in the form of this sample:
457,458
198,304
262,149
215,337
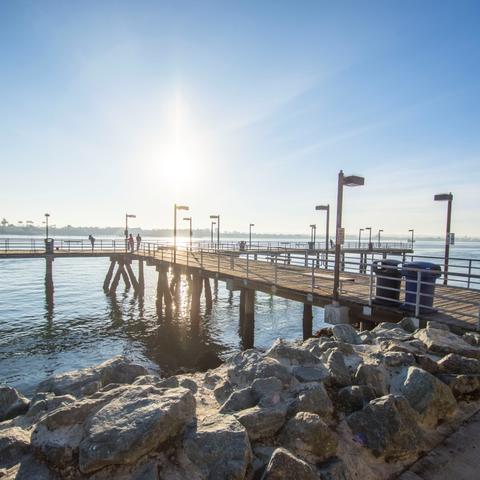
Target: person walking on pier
139,240
92,241
131,243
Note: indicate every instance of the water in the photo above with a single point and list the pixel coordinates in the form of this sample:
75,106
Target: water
84,327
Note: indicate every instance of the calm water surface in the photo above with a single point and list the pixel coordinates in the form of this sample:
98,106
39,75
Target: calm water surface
83,326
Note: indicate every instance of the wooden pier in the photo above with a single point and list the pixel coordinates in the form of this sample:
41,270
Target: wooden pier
307,280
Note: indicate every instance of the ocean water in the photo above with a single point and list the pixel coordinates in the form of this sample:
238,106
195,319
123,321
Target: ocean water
82,326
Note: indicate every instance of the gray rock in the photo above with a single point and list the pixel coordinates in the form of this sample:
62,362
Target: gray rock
239,400
12,403
367,337
267,391
262,422
339,374
462,385
355,397
388,427
261,457
346,333
220,448
29,468
133,424
345,348
443,342
473,338
14,443
311,374
391,331
44,402
396,359
409,324
314,398
453,363
284,465
375,376
308,435
425,362
334,469
291,355
223,391
430,397
440,326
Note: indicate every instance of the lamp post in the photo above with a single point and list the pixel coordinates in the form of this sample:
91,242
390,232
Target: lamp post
127,216
327,224
175,208
369,237
211,231
448,197
360,237
412,231
189,219
217,217
379,232
350,181
250,235
47,215
313,234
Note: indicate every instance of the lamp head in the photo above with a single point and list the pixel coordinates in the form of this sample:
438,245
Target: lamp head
353,181
322,207
214,216
442,197
182,207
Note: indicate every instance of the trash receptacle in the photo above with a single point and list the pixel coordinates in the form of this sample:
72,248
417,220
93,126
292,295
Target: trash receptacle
428,274
49,245
311,245
389,279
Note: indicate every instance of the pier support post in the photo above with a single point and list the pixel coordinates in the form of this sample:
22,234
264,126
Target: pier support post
208,293
121,267
247,317
108,277
196,292
131,276
163,291
49,288
141,277
307,323
116,279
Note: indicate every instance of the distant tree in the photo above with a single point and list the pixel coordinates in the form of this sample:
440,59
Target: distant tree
4,222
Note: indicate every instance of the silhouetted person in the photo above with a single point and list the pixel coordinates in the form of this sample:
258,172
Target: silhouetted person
139,240
92,241
331,243
131,243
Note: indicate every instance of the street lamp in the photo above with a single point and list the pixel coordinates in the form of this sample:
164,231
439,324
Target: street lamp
412,231
47,215
250,235
343,181
211,232
448,197
327,209
360,237
313,234
189,219
379,232
217,217
369,237
175,208
127,216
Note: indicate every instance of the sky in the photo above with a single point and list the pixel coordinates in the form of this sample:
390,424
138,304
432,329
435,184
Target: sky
246,109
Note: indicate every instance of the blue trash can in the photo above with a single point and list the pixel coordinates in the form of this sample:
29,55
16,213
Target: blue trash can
429,272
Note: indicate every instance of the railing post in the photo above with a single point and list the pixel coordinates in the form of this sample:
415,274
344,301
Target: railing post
313,274
232,262
201,259
469,273
275,266
247,263
417,299
370,296
218,260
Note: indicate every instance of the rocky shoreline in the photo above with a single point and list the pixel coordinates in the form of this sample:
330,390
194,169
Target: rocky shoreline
339,407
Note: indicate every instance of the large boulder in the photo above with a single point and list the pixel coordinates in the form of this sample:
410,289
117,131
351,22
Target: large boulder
239,400
313,398
89,380
133,424
430,397
262,422
290,355
12,403
220,448
284,464
310,437
444,342
462,385
388,426
375,376
338,371
14,443
355,397
391,331
346,333
453,363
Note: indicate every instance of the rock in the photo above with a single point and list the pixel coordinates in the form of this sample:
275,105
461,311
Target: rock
415,347
310,374
438,325
391,331
261,457
334,469
314,398
425,362
338,371
43,403
89,380
267,391
473,338
367,337
345,348
223,391
291,355
346,333
12,403
375,376
133,424
409,324
453,363
395,359
388,427
462,385
307,434
443,342
239,400
14,443
220,448
29,468
430,397
355,397
262,422
284,464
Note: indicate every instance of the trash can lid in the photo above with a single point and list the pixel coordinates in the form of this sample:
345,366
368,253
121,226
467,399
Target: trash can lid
427,266
388,262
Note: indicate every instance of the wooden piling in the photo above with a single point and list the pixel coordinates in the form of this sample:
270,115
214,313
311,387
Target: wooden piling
141,277
121,266
116,280
249,326
108,277
208,294
307,321
131,276
196,292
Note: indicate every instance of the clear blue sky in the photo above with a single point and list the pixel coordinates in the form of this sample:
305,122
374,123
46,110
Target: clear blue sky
244,108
